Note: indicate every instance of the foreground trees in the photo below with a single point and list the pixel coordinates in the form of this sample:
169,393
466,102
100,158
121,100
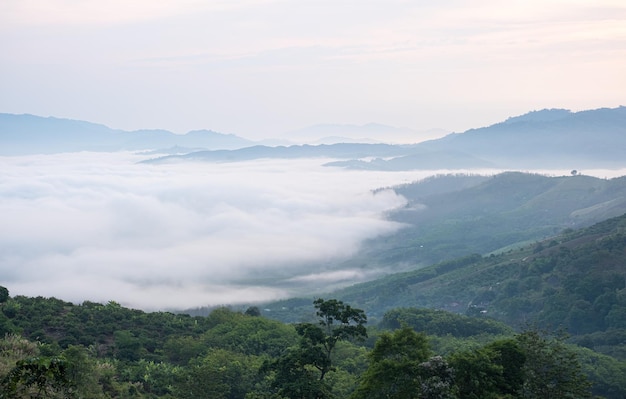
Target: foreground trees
300,372
400,368
238,355
551,369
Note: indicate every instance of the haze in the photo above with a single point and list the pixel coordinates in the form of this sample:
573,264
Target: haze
259,68
98,226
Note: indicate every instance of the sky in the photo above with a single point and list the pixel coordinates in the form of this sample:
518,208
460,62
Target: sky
260,68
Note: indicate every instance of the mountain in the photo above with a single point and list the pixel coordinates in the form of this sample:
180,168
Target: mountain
424,160
551,138
547,139
29,134
340,150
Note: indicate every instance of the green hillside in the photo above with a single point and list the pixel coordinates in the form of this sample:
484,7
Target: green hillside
574,281
452,216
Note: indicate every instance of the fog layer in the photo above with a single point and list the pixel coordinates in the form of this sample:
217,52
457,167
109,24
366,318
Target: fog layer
100,227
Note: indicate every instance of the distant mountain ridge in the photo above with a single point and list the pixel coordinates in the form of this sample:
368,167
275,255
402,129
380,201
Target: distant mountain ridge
30,134
545,139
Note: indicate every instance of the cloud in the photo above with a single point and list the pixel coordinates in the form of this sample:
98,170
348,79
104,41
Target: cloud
91,226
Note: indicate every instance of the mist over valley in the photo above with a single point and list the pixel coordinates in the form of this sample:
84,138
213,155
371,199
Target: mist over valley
262,223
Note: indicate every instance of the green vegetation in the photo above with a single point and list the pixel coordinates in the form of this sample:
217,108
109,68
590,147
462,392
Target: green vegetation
91,350
574,281
451,216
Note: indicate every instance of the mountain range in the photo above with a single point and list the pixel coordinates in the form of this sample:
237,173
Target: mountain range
550,138
29,134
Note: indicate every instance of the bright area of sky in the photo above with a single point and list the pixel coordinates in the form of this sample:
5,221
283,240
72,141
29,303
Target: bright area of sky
259,68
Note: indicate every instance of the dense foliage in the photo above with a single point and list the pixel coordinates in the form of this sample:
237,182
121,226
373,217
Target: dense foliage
55,349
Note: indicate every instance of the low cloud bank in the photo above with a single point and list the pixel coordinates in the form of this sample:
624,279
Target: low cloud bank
99,226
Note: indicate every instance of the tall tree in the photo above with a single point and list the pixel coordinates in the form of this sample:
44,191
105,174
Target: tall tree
300,372
337,322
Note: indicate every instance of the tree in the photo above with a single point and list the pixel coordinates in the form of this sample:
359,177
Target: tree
551,369
219,374
509,356
37,377
476,373
492,371
394,366
253,311
337,322
4,294
300,372
437,379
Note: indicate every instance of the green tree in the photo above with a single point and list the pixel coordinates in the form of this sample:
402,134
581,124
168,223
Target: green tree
218,374
509,356
37,377
292,376
551,369
300,372
476,373
394,366
4,294
337,322
437,379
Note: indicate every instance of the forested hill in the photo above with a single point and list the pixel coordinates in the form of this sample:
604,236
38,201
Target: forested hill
575,281
451,216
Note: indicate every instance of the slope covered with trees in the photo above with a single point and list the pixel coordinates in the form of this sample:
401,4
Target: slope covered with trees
91,350
575,281
451,216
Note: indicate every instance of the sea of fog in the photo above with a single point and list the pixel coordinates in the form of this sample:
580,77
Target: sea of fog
101,226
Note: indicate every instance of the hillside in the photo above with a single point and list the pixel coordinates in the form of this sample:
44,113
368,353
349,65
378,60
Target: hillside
544,250
575,280
450,216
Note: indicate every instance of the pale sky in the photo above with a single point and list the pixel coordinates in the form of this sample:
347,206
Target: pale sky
259,68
